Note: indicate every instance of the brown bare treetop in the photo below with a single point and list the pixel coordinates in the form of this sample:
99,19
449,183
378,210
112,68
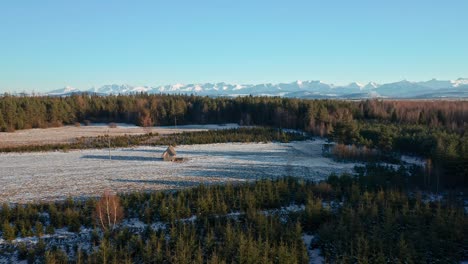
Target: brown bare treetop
109,211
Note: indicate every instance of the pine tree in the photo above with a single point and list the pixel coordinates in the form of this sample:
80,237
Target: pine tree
39,229
5,213
3,126
104,251
8,231
50,229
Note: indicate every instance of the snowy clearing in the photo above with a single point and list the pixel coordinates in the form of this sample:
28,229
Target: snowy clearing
45,176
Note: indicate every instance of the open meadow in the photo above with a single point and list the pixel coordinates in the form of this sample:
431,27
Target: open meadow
44,176
70,134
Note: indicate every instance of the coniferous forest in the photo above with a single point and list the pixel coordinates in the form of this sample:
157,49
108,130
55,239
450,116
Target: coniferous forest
261,222
379,214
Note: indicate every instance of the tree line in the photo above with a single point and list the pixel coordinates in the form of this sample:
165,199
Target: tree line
20,112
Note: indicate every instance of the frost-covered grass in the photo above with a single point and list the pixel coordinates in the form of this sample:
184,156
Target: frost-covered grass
27,177
68,134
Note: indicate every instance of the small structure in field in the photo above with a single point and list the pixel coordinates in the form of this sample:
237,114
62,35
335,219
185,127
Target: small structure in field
169,154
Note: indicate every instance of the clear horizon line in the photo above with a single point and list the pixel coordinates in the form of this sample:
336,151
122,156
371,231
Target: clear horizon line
231,83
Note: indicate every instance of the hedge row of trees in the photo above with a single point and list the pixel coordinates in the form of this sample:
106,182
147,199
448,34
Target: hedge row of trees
241,224
244,135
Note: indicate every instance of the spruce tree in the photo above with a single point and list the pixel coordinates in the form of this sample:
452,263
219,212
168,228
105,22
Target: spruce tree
39,229
3,126
8,231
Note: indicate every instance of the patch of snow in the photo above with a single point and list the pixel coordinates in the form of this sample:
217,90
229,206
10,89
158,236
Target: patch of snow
390,165
158,226
137,226
133,223
284,212
413,160
25,240
141,89
432,197
314,254
234,214
332,205
192,219
459,82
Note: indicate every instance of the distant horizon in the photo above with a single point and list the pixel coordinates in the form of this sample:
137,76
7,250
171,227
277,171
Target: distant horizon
230,83
159,84
50,44
464,85
139,84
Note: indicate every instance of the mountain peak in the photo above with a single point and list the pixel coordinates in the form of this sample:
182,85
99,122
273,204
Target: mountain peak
65,90
69,88
356,84
299,88
371,85
460,82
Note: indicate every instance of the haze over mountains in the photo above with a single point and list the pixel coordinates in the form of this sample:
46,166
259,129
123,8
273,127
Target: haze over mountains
299,89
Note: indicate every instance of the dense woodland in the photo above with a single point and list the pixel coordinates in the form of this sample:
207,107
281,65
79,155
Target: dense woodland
320,116
436,130
354,222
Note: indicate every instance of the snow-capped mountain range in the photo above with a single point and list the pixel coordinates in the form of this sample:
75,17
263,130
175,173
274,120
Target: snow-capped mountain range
300,89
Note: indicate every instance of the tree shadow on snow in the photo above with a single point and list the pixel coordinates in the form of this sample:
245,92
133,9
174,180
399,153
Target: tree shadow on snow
124,158
156,150
162,182
248,155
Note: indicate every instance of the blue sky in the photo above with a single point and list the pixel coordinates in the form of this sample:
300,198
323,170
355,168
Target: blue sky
47,45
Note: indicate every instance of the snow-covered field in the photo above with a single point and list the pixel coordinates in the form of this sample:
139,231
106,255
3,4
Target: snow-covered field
26,177
68,134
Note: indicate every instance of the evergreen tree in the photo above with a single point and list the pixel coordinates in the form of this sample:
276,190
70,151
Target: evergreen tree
8,231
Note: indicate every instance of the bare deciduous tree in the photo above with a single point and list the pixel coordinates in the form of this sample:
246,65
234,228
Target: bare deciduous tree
109,211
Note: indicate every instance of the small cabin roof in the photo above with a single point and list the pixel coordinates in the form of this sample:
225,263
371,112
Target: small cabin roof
171,151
